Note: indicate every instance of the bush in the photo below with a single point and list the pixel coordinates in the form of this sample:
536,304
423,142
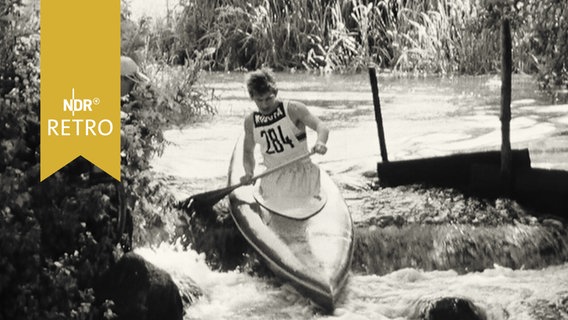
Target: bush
548,41
173,99
58,236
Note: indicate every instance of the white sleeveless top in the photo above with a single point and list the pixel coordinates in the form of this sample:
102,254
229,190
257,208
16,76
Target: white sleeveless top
279,138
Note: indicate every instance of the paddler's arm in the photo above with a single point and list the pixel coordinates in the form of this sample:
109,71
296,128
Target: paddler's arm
299,112
248,151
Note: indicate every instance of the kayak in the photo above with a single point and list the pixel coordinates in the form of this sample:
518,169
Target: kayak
311,248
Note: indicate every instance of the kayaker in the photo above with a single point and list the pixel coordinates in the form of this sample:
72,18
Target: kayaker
279,127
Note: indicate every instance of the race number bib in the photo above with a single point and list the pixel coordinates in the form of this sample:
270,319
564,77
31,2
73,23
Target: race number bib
275,140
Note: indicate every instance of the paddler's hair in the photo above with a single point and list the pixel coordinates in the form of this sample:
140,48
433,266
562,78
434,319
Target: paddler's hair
260,82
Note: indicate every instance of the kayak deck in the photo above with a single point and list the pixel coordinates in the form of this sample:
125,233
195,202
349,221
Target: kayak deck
313,254
288,207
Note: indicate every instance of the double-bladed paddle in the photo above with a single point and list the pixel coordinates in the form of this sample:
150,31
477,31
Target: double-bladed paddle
209,198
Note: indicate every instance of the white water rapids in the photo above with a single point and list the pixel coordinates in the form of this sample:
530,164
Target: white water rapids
422,118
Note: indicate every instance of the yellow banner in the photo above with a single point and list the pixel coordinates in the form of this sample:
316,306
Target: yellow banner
80,84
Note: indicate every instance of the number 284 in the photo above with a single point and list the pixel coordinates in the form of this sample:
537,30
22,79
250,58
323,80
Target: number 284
275,140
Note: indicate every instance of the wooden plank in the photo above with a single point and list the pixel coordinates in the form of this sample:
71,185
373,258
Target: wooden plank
544,190
445,171
505,116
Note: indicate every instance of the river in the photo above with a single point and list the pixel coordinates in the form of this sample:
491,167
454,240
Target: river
422,117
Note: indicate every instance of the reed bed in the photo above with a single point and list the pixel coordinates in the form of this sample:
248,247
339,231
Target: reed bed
410,36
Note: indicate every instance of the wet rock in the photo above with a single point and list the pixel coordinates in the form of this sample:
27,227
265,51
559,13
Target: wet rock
451,309
553,223
212,231
545,310
140,290
383,221
370,174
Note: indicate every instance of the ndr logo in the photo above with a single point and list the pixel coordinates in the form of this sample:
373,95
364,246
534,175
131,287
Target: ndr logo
79,105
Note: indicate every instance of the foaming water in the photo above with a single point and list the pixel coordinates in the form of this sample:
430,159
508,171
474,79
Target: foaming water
463,248
227,295
501,293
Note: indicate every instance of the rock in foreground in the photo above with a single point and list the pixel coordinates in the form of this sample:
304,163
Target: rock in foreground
140,291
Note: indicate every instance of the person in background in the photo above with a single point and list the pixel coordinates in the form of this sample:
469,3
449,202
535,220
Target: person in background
130,75
279,127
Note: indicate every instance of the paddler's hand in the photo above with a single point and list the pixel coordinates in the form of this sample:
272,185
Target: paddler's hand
320,148
247,179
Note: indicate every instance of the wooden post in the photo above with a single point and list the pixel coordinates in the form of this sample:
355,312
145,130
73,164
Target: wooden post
505,116
378,116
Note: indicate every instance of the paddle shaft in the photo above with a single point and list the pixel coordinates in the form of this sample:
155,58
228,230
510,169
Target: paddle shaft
211,197
269,171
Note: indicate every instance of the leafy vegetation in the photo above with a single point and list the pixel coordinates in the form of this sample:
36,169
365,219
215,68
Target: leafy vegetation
58,236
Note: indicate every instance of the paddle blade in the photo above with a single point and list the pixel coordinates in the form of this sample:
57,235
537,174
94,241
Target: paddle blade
208,198
186,205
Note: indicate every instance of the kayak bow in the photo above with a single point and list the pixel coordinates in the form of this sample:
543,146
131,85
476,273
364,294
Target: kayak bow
313,254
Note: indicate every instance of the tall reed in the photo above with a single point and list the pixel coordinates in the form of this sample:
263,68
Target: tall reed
337,35
430,36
